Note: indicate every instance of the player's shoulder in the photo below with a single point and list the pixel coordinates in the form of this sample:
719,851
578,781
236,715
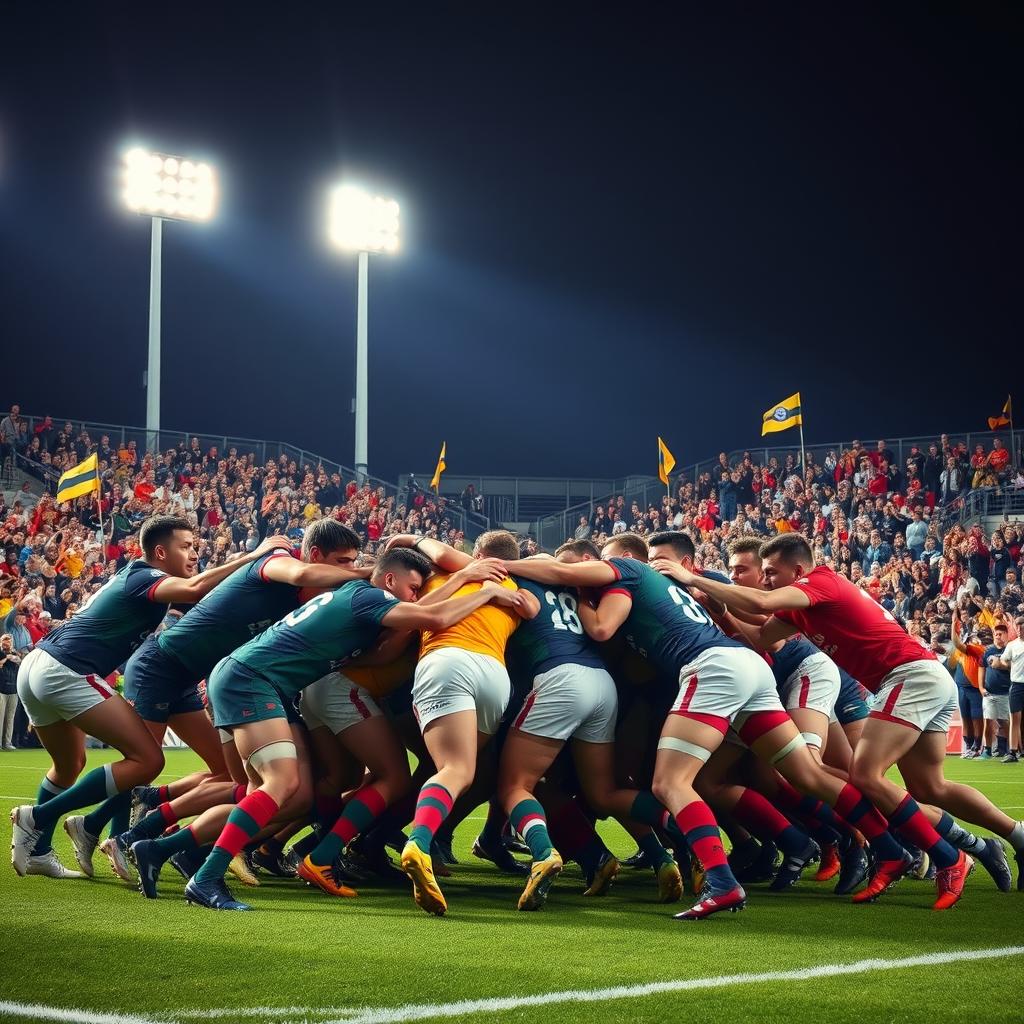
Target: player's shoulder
714,574
628,569
438,579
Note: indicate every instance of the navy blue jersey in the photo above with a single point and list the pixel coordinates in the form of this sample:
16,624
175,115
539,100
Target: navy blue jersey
231,614
321,635
665,623
111,623
556,636
786,660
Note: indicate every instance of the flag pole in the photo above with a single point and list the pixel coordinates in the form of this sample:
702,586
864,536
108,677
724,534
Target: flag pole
99,505
803,456
1013,446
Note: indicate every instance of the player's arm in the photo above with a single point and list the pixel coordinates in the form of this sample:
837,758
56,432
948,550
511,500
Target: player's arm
313,575
444,556
577,574
766,637
390,646
735,597
177,590
479,570
407,615
603,621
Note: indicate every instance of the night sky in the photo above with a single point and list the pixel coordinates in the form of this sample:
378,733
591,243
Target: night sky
618,222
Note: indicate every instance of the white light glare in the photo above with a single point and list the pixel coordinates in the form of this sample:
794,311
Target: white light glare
168,186
360,222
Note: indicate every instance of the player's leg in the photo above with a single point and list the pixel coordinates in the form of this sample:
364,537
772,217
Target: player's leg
269,751
373,743
838,751
923,771
452,742
524,760
685,746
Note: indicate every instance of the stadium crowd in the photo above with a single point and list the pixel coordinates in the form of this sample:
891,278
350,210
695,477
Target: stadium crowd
880,525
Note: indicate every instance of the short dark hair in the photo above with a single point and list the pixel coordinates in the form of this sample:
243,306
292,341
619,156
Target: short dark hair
679,542
580,548
327,536
746,545
159,530
791,547
631,542
403,558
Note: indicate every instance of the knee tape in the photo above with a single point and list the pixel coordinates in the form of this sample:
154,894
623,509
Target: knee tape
682,747
812,739
225,736
793,744
262,756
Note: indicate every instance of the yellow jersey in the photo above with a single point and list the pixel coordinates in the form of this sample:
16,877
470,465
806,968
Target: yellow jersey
485,631
380,680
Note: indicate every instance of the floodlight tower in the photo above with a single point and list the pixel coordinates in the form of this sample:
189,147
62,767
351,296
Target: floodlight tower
163,187
361,223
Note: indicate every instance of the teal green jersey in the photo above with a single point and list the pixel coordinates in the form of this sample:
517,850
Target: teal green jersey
556,636
320,636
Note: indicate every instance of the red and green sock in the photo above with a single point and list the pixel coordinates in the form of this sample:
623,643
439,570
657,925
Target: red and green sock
767,823
244,823
359,814
700,830
528,819
433,806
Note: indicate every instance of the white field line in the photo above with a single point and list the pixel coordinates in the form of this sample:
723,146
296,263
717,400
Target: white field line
422,1011
275,1012
34,1012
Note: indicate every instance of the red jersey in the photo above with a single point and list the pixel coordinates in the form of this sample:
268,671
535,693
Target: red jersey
857,633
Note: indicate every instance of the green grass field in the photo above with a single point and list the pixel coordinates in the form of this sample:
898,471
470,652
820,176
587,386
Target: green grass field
95,952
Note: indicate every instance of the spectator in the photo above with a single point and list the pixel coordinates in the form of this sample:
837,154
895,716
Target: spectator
995,693
9,662
9,430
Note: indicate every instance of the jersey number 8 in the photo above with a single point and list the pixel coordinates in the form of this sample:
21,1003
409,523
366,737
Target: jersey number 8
564,616
691,609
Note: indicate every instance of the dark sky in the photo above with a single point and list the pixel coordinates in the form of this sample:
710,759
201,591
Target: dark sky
618,222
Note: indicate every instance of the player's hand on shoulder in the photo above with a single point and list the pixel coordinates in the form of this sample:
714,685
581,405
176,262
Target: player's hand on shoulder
502,595
667,567
400,540
277,540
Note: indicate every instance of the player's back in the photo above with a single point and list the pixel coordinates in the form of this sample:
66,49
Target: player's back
236,610
555,636
320,636
665,622
484,631
111,623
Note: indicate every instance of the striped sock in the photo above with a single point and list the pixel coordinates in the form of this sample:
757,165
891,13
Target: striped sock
910,824
528,820
648,811
245,821
360,813
574,835
819,819
153,824
326,809
700,830
854,807
433,806
90,789
754,812
47,791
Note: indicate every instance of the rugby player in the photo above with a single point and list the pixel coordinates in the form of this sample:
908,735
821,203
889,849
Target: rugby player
62,684
162,677
249,689
460,691
573,697
721,682
914,701
344,718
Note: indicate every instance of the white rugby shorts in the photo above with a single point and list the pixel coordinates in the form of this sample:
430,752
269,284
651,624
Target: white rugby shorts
450,679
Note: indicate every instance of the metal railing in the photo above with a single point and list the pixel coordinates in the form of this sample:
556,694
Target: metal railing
987,502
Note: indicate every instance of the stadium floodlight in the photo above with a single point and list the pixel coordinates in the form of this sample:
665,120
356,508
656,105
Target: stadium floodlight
163,187
362,223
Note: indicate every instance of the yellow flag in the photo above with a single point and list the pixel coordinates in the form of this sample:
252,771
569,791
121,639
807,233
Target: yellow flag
435,482
81,479
1005,418
782,416
666,462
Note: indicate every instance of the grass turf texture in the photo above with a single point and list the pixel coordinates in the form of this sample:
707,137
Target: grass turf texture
96,945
